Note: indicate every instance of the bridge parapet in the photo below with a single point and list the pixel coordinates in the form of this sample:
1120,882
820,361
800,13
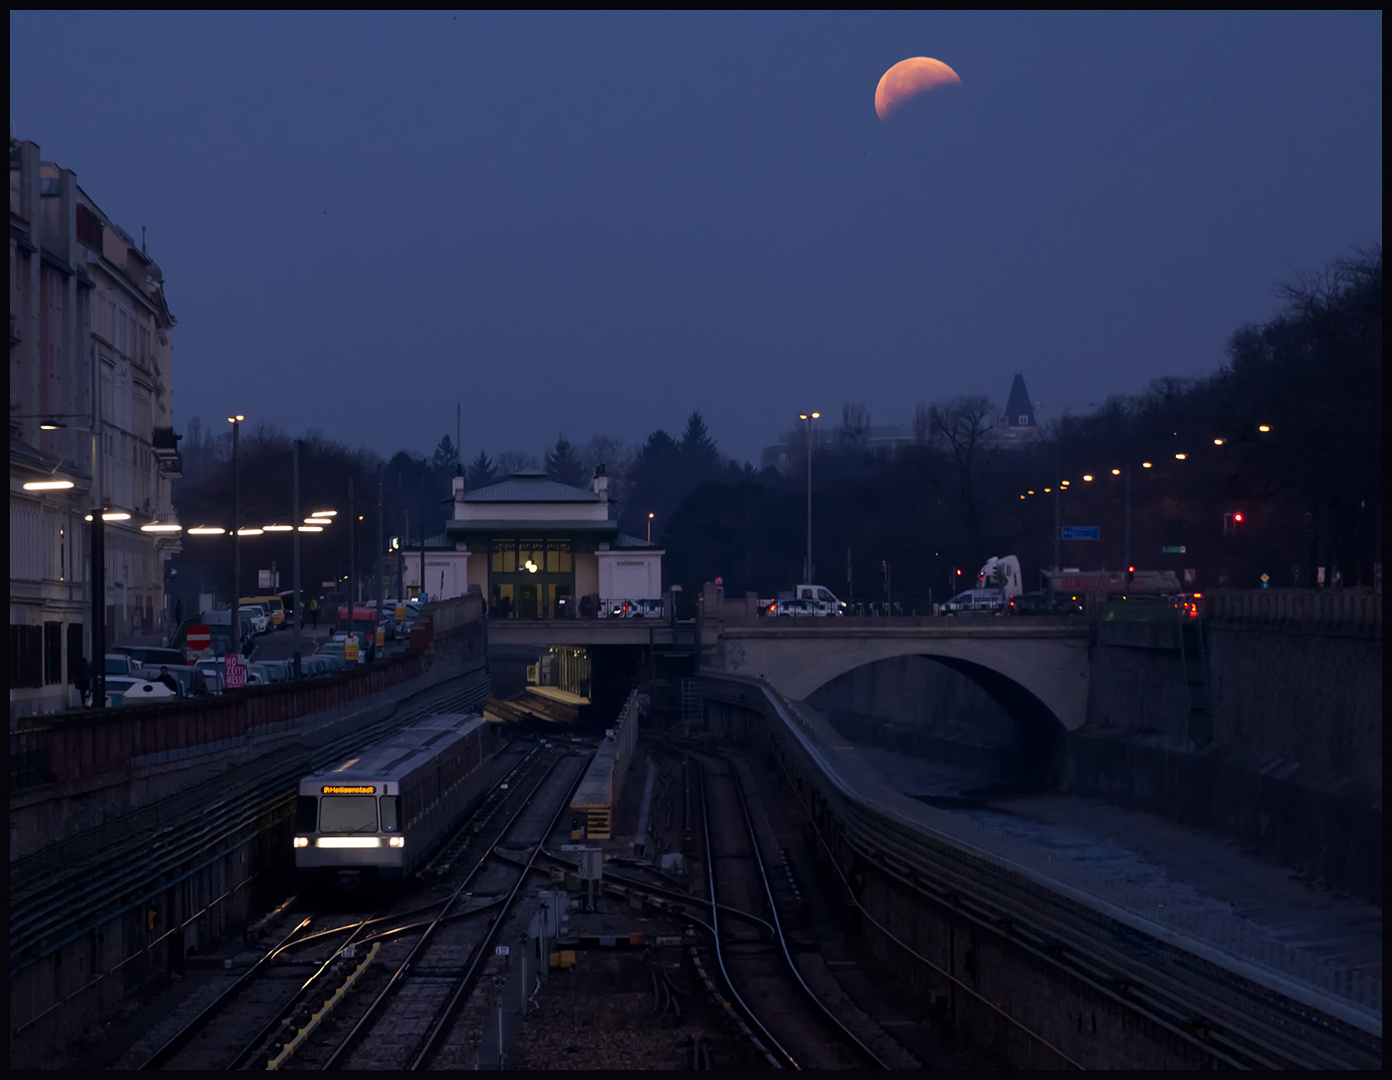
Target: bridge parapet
1354,610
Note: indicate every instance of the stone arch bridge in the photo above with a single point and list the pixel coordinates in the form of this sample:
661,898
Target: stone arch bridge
1042,663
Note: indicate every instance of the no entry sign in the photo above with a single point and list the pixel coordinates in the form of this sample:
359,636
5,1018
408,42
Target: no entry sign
199,637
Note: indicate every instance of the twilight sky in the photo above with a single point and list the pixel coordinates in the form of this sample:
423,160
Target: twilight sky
593,224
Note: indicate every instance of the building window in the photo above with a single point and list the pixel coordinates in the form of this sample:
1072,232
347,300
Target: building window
74,650
26,656
53,653
89,227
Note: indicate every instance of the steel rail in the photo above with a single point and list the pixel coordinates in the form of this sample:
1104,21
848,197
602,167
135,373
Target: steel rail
182,1036
778,924
365,1021
286,1009
1221,1030
715,926
466,980
676,894
195,832
298,995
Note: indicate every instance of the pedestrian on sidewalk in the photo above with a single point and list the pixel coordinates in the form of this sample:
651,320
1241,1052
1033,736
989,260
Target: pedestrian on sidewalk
314,612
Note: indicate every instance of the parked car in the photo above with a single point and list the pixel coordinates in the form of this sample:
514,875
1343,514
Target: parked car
271,605
974,600
793,609
220,629
151,655
120,664
260,619
273,671
213,675
183,674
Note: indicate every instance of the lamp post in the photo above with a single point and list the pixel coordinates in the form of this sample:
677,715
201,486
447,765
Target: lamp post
55,422
299,523
809,417
650,517
235,627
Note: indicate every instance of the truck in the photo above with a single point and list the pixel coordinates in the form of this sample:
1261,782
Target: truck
822,600
1101,584
997,582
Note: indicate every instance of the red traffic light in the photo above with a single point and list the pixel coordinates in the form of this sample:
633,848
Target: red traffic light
1237,518
1130,569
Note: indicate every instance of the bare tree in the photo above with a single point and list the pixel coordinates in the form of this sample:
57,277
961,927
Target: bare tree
511,461
962,427
855,426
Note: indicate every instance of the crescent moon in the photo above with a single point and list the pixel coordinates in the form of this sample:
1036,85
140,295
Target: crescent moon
909,78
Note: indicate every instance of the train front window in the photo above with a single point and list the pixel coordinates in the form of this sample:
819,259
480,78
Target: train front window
348,814
389,823
306,812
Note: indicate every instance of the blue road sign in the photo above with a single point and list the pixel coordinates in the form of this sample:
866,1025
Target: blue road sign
1082,532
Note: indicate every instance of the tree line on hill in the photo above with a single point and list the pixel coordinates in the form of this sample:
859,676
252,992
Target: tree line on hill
1287,434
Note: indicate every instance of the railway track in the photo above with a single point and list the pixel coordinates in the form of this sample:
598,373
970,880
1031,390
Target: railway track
1226,1020
800,1030
410,1020
251,1020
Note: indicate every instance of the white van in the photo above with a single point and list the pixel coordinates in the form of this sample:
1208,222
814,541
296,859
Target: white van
822,599
974,600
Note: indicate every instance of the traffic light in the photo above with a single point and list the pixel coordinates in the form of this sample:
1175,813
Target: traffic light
1130,574
1237,519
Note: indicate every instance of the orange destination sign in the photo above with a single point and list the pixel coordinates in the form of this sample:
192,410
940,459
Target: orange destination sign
349,789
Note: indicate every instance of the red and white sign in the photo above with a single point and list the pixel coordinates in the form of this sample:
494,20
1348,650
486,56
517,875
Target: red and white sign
198,638
235,672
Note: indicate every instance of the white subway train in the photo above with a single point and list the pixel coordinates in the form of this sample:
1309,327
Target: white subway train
380,814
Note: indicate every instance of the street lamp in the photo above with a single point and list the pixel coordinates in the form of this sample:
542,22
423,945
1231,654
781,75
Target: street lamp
809,417
650,517
236,625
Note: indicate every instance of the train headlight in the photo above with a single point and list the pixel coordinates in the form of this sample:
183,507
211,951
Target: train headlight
302,841
396,841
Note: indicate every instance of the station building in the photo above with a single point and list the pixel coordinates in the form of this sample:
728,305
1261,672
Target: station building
539,549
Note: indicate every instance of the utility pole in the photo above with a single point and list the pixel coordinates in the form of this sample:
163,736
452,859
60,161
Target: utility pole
236,623
98,583
381,543
1058,509
809,418
422,538
299,524
352,517
1127,558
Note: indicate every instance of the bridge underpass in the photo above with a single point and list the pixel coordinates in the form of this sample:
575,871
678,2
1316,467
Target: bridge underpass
1030,681
934,883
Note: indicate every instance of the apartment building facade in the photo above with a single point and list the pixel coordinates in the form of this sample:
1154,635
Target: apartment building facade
91,379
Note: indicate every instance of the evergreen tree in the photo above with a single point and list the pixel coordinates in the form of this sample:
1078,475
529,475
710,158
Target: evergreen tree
698,448
563,465
481,472
445,456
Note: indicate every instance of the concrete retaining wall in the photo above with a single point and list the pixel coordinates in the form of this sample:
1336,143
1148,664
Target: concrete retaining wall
1294,771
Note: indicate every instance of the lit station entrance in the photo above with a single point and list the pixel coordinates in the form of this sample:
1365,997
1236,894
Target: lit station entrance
531,579
541,550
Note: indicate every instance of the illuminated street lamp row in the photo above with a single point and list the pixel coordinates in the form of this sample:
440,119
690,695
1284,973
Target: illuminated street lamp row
1265,429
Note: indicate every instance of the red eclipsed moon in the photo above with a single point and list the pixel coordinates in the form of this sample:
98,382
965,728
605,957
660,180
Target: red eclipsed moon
907,79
